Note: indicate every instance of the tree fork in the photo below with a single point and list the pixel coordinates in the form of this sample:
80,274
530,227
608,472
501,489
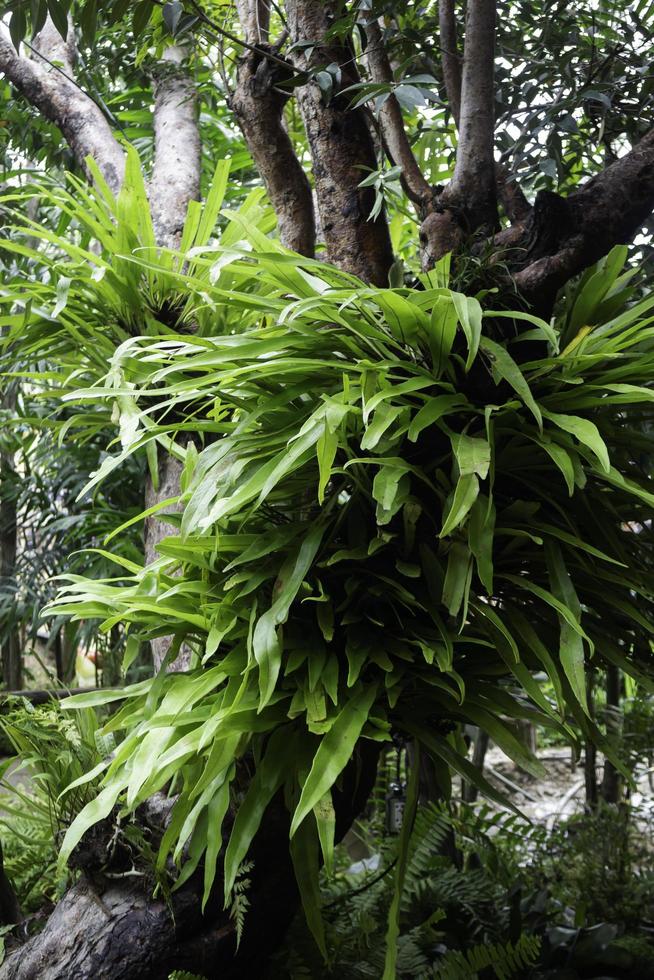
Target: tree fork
341,149
259,107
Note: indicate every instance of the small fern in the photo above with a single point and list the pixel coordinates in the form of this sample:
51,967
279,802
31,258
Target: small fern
507,960
240,901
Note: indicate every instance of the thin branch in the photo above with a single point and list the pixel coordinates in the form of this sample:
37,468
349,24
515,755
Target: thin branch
254,18
390,118
62,102
450,57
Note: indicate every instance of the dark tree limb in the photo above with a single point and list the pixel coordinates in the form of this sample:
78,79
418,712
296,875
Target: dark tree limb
341,149
391,121
450,57
510,194
59,100
259,108
10,652
608,210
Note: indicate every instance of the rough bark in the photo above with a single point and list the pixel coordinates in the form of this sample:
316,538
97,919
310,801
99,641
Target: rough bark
112,929
341,149
80,120
176,171
259,108
510,194
563,236
391,121
468,204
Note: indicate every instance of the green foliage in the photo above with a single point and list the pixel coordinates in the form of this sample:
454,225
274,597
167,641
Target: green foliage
43,787
600,866
455,916
398,506
510,960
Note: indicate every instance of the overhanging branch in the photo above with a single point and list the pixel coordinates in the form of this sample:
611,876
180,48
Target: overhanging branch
59,100
608,210
391,121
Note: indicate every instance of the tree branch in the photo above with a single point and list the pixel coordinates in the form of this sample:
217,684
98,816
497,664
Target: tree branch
80,120
176,171
468,204
473,177
450,58
341,148
254,18
259,108
515,204
608,210
391,121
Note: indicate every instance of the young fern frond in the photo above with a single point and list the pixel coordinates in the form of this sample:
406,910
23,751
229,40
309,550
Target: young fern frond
507,961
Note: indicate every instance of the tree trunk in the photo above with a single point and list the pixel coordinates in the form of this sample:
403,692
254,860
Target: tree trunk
611,782
590,752
12,667
156,529
341,149
469,790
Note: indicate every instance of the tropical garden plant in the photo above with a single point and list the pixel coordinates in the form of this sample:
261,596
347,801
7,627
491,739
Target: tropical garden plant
398,504
403,478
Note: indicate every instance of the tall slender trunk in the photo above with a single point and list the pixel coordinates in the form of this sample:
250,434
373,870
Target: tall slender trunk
12,667
611,782
590,751
469,790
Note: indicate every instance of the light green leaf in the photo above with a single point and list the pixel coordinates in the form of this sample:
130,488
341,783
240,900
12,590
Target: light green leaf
334,752
585,431
505,367
465,494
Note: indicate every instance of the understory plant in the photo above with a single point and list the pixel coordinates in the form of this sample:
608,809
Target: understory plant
457,910
39,792
397,505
